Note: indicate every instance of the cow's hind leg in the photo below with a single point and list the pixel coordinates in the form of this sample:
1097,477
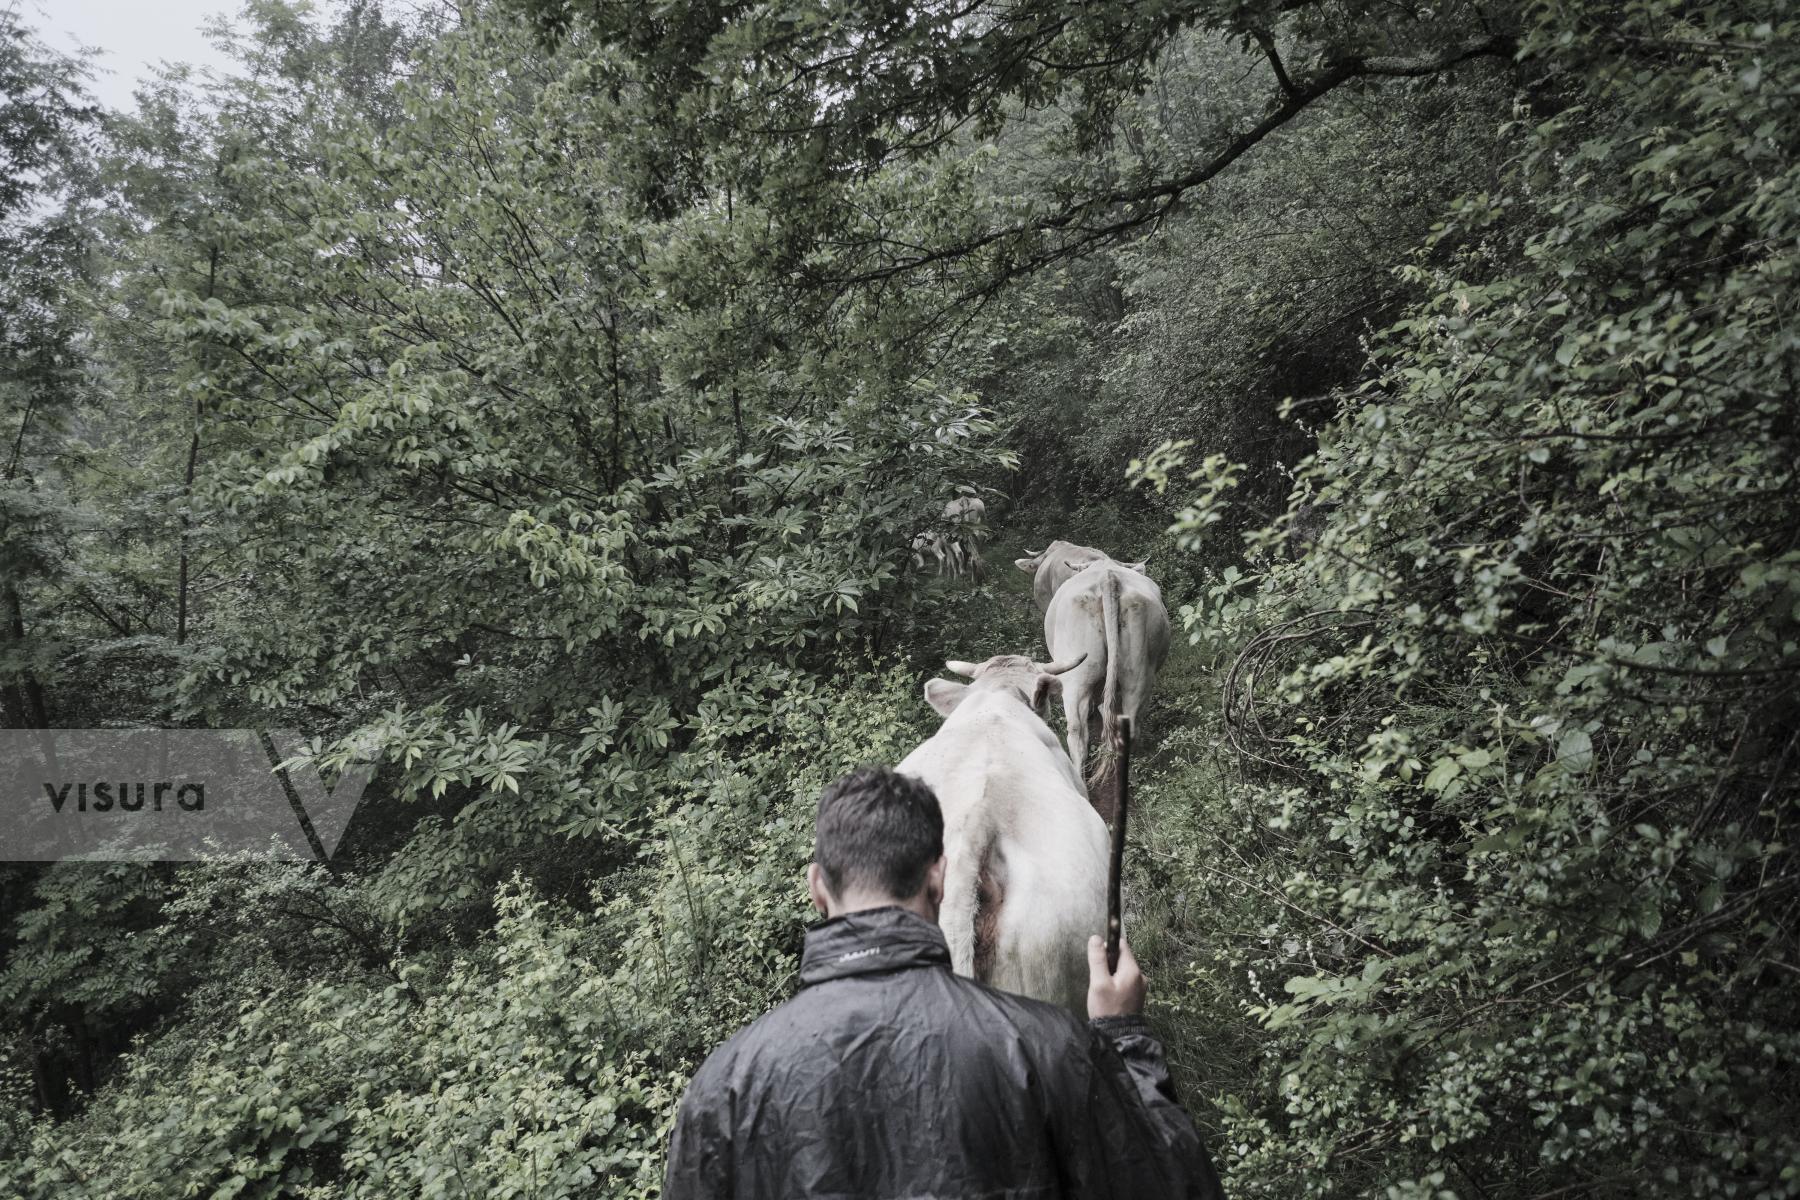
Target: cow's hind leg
1080,708
990,896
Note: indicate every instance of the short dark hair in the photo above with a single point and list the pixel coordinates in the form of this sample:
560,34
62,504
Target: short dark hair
878,829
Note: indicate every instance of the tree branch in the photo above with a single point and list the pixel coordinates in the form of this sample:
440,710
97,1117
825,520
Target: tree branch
1150,203
1268,48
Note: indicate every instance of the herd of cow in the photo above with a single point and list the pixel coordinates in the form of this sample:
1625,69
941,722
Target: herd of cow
1025,834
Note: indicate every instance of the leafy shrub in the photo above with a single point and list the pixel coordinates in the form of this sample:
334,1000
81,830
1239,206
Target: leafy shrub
543,1060
1520,724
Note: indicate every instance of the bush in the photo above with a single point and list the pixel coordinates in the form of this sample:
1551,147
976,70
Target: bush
1520,724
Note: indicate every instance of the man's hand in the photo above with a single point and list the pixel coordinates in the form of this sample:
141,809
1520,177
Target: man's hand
1112,994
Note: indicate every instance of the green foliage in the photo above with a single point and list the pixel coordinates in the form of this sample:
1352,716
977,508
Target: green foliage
544,1059
1272,288
1521,718
495,489
90,959
45,169
551,422
499,481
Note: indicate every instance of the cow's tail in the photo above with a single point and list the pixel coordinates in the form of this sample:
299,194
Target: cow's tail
1106,767
960,913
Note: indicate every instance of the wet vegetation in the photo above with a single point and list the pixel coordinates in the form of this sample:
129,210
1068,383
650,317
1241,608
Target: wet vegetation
542,398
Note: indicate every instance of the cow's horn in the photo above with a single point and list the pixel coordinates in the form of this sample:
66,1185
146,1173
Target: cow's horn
1057,668
961,668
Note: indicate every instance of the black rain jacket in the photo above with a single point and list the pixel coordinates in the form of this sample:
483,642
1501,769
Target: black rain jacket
889,1076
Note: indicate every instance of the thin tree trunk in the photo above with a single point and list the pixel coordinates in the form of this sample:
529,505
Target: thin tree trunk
187,521
40,1078
734,538
618,401
26,707
18,449
187,484
23,699
12,707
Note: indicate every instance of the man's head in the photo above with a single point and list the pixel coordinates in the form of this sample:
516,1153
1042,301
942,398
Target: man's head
879,840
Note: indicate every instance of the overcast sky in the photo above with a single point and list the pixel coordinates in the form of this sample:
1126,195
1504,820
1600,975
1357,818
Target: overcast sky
135,35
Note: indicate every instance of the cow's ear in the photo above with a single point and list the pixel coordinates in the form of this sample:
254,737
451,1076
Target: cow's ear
1028,565
1047,686
943,695
1138,567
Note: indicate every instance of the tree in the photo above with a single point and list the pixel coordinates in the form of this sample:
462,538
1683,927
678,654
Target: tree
831,93
43,168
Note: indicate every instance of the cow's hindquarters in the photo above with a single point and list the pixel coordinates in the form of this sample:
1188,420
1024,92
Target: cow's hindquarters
1025,869
1054,899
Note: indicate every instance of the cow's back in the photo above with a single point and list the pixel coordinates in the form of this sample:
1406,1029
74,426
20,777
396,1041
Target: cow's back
1054,570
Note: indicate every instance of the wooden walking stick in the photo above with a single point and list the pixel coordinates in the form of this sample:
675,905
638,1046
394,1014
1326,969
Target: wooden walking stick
1122,748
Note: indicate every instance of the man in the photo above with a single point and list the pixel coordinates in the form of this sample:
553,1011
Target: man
889,1076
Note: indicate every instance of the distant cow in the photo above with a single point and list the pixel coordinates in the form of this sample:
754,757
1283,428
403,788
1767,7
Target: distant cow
966,510
954,548
966,515
1025,877
928,550
1111,616
1053,566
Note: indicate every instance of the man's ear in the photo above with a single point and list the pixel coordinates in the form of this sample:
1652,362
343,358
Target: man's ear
943,695
1138,567
815,887
1047,686
934,883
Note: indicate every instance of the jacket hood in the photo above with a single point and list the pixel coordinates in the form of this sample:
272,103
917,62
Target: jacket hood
875,939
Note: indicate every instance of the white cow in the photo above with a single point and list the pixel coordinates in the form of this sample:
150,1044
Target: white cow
1025,876
1052,567
954,549
1111,616
966,509
928,547
967,516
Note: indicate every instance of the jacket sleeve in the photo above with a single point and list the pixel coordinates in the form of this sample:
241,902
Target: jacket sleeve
700,1151
1133,1139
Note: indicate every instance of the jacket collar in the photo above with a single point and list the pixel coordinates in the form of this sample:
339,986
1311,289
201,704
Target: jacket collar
875,939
